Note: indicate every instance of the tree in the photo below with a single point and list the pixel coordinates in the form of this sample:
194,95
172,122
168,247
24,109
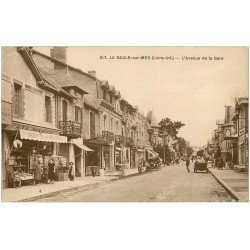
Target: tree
169,128
184,147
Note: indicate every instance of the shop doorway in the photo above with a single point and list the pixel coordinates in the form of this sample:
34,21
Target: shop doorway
78,157
106,156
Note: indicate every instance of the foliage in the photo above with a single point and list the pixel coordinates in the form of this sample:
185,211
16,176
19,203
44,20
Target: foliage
160,150
200,153
184,147
169,128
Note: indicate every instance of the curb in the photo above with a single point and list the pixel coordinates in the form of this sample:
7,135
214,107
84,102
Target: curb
82,188
227,187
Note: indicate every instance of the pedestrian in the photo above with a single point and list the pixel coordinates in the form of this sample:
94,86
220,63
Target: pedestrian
51,171
37,172
187,164
93,168
71,171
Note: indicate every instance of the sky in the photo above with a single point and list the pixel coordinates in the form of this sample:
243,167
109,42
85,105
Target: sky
192,91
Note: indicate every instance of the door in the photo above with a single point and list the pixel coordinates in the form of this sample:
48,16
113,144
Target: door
106,155
78,156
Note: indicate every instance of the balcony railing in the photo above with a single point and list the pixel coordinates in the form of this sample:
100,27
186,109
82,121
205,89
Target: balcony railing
129,141
70,128
107,136
120,139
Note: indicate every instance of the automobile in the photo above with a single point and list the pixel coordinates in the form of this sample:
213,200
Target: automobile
153,164
200,166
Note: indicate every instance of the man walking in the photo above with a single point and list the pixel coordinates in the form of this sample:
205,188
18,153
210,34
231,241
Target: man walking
187,164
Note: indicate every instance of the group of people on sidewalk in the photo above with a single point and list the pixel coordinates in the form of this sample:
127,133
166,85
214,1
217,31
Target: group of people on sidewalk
45,173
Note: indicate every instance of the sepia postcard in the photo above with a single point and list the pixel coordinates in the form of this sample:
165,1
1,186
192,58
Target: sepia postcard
127,124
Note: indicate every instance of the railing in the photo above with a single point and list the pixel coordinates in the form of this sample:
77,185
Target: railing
70,128
108,136
120,139
129,141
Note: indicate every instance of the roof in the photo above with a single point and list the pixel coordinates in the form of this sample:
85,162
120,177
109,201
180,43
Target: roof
41,78
112,89
49,82
28,59
63,80
63,63
91,106
151,119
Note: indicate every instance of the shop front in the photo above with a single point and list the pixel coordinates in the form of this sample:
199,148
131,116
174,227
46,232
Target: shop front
243,148
27,154
118,155
139,155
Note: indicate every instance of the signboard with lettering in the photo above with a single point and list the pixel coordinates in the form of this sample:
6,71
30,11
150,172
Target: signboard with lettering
32,135
6,113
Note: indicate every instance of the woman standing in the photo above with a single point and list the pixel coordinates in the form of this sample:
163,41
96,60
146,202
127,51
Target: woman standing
71,171
51,174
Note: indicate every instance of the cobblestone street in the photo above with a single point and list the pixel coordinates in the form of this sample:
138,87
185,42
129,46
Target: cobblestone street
172,183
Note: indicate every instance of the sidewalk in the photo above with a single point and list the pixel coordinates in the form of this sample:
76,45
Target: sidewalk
234,181
31,192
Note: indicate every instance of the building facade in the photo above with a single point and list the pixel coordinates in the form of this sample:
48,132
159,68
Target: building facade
30,133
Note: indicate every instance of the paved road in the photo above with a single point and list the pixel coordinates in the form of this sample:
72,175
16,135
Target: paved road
172,183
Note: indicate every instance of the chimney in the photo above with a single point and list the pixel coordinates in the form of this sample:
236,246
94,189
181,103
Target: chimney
92,72
59,53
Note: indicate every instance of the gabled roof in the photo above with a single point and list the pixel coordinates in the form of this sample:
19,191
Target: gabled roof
28,59
42,79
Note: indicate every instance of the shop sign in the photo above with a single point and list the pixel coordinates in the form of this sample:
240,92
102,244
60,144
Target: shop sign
32,135
6,113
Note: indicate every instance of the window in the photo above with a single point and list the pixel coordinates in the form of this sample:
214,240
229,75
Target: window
241,124
18,99
48,110
92,124
111,125
104,122
64,110
117,127
78,114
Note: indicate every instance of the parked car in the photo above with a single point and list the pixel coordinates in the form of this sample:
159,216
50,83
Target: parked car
153,164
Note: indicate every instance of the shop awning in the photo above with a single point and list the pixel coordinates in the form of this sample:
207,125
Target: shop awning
79,144
37,136
152,153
